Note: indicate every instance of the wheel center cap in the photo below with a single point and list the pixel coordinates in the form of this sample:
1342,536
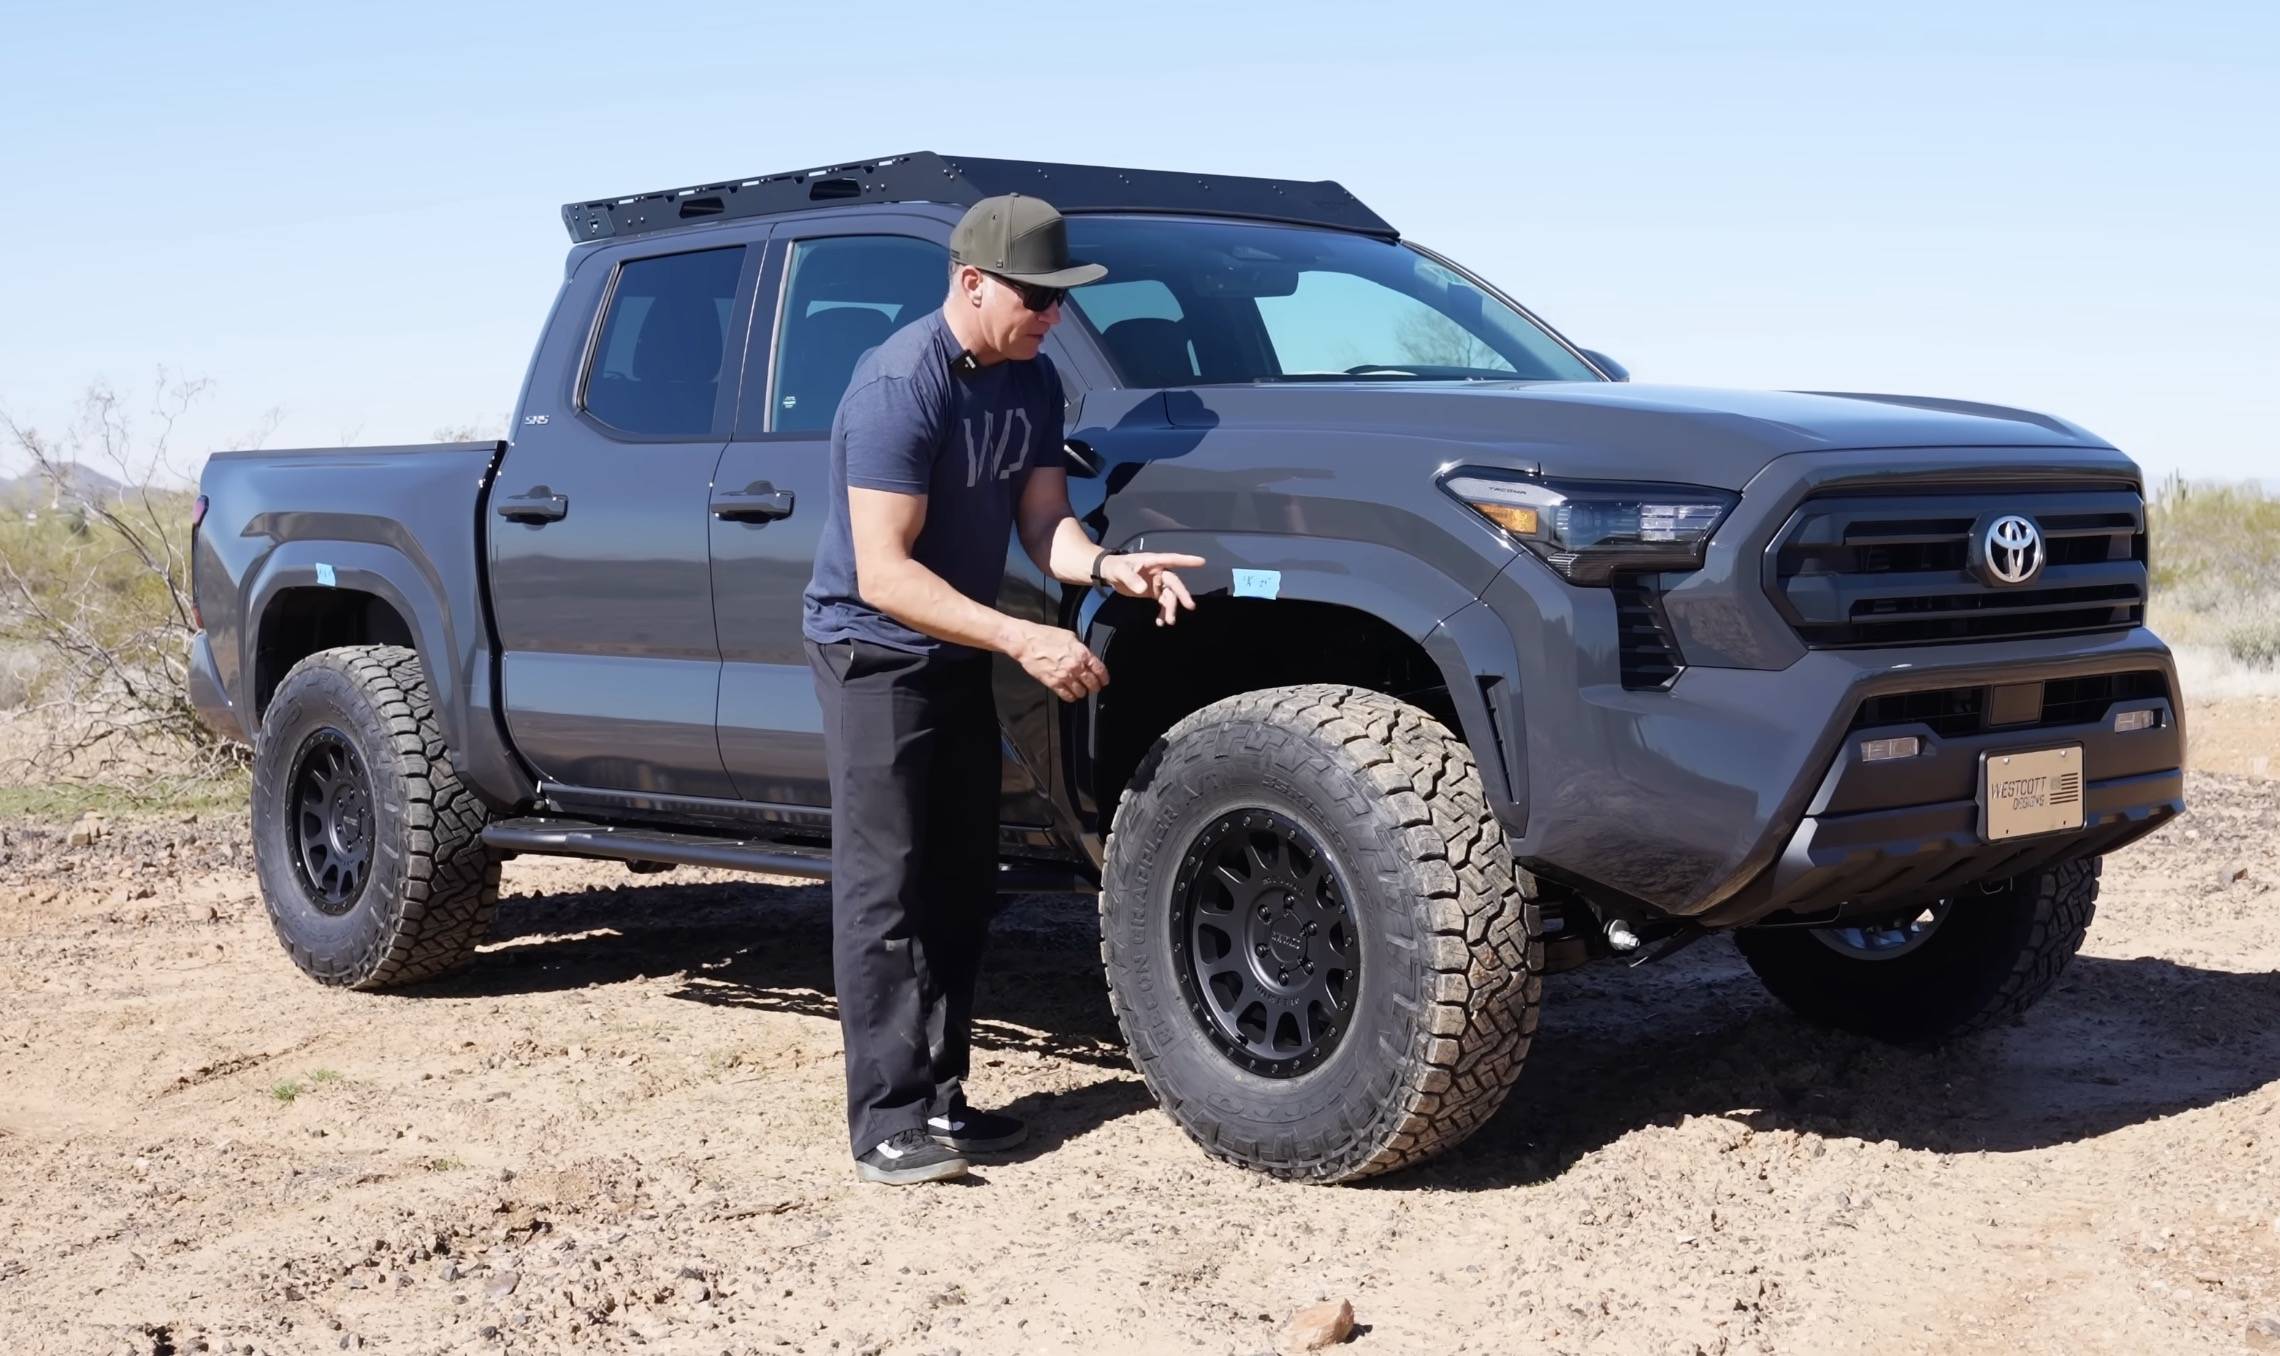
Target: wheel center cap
351,820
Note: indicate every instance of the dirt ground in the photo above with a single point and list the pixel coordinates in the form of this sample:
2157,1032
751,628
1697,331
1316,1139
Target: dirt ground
622,1129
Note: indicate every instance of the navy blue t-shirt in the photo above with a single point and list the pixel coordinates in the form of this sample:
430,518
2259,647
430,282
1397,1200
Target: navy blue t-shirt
967,441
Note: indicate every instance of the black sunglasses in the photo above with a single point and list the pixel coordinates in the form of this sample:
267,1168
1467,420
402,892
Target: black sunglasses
1034,297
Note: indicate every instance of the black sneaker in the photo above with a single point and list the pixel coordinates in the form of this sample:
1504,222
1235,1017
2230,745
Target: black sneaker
909,1158
976,1132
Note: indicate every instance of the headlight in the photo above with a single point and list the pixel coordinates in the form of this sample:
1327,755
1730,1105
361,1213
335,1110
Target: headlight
1590,530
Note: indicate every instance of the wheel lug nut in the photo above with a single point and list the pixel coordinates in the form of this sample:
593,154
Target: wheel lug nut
1282,976
1309,966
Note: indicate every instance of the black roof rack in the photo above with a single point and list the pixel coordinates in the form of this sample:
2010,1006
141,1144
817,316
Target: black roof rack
924,176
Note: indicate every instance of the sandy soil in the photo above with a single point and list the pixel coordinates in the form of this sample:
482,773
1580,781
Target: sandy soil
622,1130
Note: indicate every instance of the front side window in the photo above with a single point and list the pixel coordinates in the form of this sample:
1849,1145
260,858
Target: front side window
1197,302
656,368
845,295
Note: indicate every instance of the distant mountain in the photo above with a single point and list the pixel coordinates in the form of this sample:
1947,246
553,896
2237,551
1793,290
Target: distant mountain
33,490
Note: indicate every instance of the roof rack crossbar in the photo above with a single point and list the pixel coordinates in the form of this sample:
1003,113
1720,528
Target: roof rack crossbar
924,176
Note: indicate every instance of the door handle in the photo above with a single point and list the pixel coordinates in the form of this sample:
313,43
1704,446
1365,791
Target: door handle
758,502
538,505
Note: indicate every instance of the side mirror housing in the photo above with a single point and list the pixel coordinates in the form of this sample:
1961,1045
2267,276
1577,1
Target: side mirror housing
1615,371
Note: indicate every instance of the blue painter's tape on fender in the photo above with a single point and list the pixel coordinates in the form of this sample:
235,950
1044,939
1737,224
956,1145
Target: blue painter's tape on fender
1258,583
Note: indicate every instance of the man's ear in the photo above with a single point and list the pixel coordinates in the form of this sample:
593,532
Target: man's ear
970,284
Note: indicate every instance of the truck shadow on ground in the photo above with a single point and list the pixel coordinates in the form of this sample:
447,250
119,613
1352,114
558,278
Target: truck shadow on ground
2120,1043
766,947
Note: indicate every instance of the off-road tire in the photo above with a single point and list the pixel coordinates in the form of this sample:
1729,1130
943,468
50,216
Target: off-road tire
1451,974
1992,957
432,888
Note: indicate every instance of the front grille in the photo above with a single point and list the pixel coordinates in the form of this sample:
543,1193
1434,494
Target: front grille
1649,655
1952,712
1855,570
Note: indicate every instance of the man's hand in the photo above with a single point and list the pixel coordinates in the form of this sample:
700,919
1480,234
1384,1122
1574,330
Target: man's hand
1061,662
1148,574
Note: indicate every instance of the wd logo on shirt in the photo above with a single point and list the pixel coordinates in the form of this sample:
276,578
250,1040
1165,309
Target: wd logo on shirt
987,458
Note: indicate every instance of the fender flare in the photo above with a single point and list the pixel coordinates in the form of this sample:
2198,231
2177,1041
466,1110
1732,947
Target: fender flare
456,659
1462,636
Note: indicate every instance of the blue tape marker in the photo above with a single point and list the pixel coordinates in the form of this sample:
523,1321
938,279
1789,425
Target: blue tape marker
325,575
1258,583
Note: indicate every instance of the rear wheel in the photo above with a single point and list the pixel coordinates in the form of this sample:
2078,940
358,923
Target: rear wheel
1954,967
369,849
1322,957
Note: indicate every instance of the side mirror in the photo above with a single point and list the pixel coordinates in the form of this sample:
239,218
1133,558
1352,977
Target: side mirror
1615,371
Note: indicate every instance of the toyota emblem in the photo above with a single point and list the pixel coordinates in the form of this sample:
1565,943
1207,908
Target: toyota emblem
2013,549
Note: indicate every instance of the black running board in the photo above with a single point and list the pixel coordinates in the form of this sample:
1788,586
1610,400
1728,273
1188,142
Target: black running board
628,843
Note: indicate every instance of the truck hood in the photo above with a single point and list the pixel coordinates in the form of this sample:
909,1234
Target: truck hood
1694,435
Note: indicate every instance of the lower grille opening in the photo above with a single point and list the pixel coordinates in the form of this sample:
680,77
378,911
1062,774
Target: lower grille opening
1952,712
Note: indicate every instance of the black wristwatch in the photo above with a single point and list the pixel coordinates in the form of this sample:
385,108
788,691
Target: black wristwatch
1105,553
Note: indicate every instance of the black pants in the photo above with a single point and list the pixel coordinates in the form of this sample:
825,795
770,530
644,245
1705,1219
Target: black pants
915,769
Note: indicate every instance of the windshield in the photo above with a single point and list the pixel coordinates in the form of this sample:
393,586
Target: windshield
1190,303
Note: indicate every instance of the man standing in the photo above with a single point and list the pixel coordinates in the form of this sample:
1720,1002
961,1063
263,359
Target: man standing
949,435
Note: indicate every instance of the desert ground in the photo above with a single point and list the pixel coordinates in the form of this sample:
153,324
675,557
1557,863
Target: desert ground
622,1130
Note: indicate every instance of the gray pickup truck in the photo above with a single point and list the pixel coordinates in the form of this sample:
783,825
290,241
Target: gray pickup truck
1502,663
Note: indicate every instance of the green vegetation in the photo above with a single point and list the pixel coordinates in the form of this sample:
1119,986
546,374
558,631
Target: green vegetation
62,802
285,1091
2216,568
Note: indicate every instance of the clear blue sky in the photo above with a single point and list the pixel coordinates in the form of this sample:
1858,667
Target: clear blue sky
351,211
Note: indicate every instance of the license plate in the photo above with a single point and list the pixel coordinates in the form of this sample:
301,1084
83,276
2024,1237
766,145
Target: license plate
2023,794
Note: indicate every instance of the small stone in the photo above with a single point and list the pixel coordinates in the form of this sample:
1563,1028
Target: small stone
293,1293
199,911
85,833
1318,1326
487,1332
448,1272
503,1284
2264,1334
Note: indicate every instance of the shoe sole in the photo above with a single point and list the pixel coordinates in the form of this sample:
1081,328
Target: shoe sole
983,1146
931,1172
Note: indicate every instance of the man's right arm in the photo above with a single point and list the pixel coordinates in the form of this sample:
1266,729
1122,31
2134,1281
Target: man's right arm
885,526
887,455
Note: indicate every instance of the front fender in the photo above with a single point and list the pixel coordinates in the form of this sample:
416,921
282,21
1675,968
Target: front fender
1465,641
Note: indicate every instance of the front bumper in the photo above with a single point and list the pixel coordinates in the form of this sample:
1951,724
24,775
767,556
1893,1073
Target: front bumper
1737,793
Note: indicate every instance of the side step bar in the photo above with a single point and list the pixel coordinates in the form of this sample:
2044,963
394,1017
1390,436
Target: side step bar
545,835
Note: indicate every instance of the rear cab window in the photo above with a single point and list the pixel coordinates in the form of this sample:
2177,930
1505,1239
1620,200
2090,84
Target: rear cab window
656,364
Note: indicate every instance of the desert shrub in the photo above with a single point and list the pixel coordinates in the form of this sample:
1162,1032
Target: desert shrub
2256,643
95,589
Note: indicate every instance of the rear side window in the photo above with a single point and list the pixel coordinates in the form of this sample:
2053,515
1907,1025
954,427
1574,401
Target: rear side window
846,294
656,370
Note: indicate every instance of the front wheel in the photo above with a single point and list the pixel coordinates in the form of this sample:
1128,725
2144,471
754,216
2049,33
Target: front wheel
1957,966
1323,960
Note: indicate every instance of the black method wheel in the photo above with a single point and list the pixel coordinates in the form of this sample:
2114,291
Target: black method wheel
332,819
1957,966
1322,957
369,848
1268,955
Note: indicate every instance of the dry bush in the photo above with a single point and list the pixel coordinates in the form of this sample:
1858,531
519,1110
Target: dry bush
95,614
2216,584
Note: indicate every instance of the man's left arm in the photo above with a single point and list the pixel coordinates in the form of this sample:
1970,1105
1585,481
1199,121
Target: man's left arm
1053,537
